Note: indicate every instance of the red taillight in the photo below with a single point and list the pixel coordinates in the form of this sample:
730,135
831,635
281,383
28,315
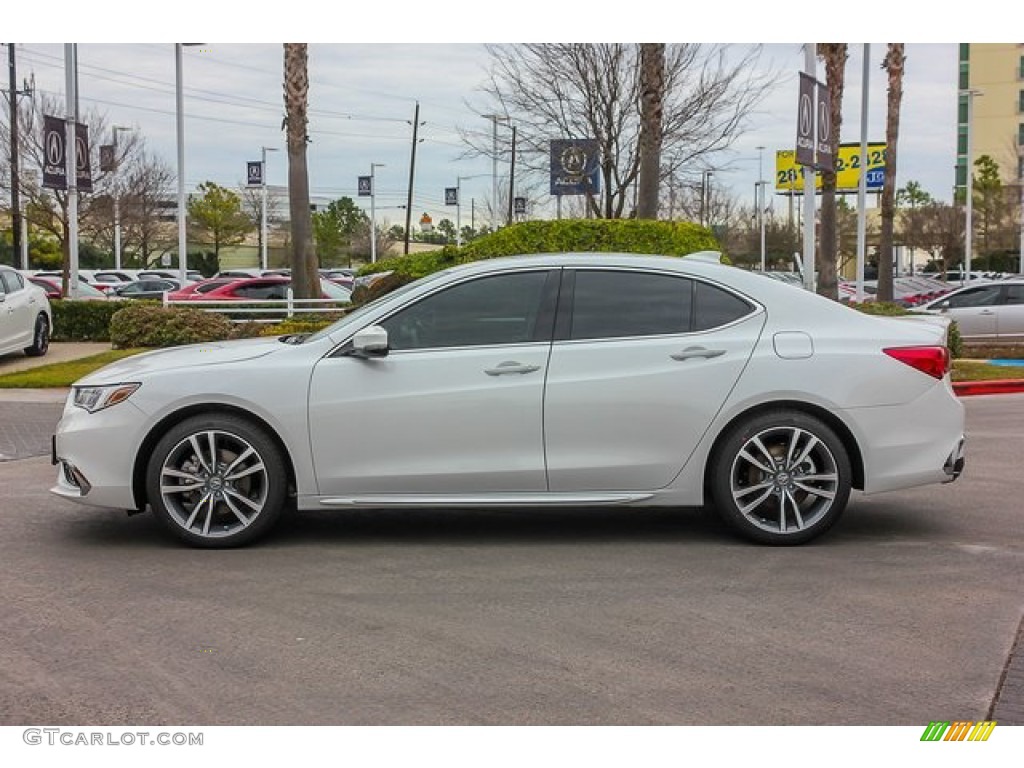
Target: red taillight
931,360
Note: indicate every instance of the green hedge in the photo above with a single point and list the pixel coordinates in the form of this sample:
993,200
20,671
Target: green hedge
83,320
146,324
584,235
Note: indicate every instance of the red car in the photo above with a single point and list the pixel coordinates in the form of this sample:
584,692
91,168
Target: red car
258,289
52,286
198,291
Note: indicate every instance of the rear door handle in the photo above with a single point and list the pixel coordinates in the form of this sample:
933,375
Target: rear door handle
986,312
691,352
511,366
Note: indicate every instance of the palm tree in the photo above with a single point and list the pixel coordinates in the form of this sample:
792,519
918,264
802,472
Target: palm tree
834,56
893,65
305,278
652,97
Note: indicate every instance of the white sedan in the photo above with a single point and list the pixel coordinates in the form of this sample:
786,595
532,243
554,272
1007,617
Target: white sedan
558,380
25,315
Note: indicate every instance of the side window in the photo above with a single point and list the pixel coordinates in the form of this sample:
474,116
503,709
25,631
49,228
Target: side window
982,296
715,307
1014,294
502,309
613,303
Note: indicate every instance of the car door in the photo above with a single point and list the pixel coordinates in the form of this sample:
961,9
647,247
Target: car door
640,365
1010,322
454,407
974,310
18,310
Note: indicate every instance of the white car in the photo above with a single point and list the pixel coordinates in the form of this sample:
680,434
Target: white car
25,316
565,379
985,312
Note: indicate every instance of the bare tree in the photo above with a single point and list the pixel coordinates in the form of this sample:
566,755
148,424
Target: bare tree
652,91
893,64
578,90
834,55
305,279
252,204
47,209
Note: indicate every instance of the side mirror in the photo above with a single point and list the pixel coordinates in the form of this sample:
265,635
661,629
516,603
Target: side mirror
371,341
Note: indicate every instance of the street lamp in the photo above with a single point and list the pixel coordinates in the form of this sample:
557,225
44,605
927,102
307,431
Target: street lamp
117,200
458,204
759,197
263,207
373,212
179,104
970,93
705,195
495,119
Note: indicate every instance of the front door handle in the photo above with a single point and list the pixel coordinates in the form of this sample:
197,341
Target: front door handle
986,312
691,352
511,366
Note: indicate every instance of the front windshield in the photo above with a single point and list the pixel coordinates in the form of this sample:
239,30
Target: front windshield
355,314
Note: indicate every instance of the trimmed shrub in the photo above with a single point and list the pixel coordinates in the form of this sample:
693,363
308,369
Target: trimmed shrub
83,320
145,324
669,238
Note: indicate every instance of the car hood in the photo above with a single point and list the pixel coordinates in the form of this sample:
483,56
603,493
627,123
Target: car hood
191,356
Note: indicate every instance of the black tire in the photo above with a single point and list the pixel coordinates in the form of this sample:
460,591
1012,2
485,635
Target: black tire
233,480
781,477
40,338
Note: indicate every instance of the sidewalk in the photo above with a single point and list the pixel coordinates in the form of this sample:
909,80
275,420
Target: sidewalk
59,352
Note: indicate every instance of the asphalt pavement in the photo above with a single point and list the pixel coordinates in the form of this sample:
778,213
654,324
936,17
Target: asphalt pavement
908,611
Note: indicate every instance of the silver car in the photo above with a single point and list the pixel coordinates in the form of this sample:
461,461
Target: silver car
989,312
579,380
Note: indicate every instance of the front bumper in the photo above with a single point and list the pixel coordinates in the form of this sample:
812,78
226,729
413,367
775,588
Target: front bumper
94,454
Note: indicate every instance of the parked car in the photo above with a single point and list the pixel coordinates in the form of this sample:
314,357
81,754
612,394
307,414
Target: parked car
54,289
147,288
198,291
25,317
85,277
989,312
266,289
564,379
191,275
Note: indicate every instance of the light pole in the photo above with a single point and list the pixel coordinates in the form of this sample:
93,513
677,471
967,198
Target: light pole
760,200
494,164
373,212
970,93
179,109
117,200
458,204
705,195
263,207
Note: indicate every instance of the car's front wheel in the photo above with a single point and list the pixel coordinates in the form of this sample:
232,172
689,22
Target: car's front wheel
781,477
217,481
40,338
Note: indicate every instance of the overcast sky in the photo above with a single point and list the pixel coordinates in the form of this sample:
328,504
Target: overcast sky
363,95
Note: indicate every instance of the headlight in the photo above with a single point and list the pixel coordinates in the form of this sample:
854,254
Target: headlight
95,399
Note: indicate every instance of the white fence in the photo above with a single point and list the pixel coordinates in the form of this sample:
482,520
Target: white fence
264,310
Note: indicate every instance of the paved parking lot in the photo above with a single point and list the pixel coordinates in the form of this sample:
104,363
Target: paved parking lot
905,613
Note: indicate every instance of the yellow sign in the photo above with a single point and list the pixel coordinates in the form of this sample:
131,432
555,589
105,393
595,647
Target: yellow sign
789,177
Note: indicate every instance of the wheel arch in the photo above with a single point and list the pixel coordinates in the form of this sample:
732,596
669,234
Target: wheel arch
836,424
170,420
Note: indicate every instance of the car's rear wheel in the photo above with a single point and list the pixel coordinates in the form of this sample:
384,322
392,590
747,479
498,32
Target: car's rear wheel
40,338
217,481
781,477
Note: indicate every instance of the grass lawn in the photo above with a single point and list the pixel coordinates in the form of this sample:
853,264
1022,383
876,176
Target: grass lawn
62,374
978,370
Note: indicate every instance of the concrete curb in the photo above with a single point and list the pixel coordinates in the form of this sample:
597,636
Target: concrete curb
994,387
